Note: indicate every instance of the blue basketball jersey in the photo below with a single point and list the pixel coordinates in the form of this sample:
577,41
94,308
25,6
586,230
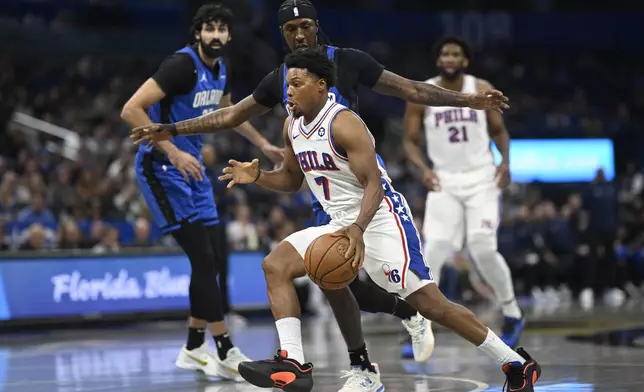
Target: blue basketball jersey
203,98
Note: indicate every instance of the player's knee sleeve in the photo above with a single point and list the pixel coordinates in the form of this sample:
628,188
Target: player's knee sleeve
205,295
437,253
491,266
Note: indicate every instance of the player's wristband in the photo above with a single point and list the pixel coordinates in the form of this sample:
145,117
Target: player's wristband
259,173
172,128
358,226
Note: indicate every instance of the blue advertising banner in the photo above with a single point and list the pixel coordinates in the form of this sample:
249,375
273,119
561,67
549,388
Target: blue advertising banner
85,286
559,160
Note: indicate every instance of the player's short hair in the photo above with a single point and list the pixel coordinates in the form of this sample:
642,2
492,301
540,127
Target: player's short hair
211,13
315,61
467,49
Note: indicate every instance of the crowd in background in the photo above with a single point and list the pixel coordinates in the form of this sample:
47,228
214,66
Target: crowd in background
556,237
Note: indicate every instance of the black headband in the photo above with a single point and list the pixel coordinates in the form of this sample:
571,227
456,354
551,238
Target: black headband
297,11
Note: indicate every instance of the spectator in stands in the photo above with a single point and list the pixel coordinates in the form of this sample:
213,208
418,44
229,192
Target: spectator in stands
70,236
36,238
142,237
4,244
36,213
8,200
242,234
601,202
109,242
61,195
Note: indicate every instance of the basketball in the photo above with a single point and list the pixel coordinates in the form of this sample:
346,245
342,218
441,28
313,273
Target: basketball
325,263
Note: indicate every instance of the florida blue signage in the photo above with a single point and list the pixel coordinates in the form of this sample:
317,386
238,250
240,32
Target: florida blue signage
86,286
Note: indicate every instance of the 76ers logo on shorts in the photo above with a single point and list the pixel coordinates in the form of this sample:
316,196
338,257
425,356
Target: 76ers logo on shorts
393,275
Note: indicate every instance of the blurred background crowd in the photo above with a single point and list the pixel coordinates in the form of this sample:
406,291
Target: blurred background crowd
66,164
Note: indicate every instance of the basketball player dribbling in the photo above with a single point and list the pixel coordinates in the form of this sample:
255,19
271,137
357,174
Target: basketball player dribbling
301,30
462,206
328,145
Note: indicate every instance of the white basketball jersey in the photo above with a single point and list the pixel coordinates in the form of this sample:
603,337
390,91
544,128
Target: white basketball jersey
326,169
457,138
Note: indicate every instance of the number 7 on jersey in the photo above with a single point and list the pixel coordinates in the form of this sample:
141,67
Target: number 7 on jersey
324,183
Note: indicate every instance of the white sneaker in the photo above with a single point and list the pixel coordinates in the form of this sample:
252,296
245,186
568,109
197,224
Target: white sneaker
200,359
362,381
203,360
228,368
422,337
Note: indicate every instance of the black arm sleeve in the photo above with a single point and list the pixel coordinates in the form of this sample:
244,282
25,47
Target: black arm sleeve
176,75
269,91
369,70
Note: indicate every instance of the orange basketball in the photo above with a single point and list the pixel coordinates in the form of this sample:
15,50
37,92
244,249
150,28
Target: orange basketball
325,263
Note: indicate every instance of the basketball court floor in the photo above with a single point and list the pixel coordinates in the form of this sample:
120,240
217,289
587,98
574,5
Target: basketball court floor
602,350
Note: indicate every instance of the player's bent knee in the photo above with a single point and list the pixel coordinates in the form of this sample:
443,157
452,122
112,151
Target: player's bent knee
283,263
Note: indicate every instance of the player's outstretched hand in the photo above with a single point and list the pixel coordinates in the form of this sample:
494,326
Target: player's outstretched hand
274,153
356,244
489,100
502,176
240,172
151,133
186,164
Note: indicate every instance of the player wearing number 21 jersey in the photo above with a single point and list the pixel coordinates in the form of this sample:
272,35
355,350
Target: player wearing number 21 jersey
463,206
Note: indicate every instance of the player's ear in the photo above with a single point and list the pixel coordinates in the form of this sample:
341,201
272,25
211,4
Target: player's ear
466,63
321,84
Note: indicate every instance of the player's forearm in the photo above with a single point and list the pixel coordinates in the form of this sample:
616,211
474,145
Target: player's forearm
502,141
136,117
432,95
420,92
248,131
217,120
373,194
280,180
415,154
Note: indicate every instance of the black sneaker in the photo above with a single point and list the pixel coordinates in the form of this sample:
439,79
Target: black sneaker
281,372
521,378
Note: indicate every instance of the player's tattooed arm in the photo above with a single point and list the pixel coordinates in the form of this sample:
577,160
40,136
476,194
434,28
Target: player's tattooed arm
496,126
419,92
350,135
289,176
224,118
432,95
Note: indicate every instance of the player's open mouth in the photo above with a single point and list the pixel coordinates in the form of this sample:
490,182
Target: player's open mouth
301,46
290,105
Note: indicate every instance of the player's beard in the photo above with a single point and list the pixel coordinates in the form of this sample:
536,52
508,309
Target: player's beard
452,76
209,51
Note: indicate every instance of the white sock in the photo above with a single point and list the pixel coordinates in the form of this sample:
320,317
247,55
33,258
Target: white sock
290,332
494,348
